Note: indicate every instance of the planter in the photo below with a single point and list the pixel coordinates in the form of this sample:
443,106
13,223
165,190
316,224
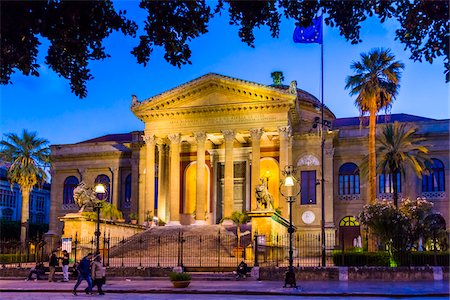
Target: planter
134,222
181,284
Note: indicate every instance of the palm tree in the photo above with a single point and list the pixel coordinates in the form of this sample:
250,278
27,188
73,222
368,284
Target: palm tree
376,85
28,156
398,149
238,218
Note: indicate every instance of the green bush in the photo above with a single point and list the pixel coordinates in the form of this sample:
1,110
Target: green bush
15,258
358,259
425,258
183,276
381,258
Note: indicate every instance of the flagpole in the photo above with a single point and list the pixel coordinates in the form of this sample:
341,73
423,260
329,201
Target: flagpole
322,156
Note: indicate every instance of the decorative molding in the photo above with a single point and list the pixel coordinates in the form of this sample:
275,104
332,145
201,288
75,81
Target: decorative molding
284,131
200,137
352,197
434,195
256,133
149,139
229,135
70,206
308,160
174,138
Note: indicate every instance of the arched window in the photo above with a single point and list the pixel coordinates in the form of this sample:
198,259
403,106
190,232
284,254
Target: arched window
385,183
348,179
70,184
348,221
127,199
435,181
104,179
7,214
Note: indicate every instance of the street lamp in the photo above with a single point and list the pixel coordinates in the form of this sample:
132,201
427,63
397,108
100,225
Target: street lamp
101,194
287,190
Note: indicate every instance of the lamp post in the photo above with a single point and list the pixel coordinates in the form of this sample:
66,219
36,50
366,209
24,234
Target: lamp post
323,123
287,187
101,195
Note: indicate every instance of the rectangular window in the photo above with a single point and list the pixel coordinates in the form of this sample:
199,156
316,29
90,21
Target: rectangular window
308,192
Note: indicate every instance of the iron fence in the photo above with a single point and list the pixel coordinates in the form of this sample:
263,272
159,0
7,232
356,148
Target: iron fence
216,251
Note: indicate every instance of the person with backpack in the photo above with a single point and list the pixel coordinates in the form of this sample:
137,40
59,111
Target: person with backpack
84,273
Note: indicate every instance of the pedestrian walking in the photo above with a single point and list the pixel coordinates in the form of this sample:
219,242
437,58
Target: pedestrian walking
65,265
84,273
98,274
52,264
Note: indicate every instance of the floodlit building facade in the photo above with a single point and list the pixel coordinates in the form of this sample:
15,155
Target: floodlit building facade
208,143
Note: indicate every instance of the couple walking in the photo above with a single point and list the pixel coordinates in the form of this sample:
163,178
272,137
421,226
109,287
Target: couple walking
93,272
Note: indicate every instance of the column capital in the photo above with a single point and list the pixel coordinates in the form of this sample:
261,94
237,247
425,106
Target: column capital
149,138
200,137
256,133
229,134
175,138
284,131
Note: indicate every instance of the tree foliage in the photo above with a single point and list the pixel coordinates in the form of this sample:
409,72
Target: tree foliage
375,85
400,148
76,29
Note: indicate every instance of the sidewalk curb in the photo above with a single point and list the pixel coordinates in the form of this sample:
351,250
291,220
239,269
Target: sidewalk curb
292,292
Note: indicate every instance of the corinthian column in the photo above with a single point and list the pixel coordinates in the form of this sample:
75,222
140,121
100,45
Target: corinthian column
229,173
115,186
200,138
149,201
174,207
162,182
255,134
284,133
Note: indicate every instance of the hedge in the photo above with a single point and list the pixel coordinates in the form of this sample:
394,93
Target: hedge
381,258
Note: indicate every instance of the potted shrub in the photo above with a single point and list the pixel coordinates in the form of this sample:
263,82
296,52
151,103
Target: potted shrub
180,279
133,218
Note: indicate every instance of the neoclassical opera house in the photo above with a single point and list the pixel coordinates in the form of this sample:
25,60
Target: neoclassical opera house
209,142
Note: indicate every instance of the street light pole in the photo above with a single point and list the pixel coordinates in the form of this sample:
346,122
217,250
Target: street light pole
286,190
100,192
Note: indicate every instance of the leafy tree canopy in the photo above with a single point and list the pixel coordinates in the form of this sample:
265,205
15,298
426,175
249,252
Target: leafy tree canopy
76,29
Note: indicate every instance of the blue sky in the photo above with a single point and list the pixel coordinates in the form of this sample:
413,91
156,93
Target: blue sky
46,105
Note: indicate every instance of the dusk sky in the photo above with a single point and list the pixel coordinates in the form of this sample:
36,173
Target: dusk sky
46,105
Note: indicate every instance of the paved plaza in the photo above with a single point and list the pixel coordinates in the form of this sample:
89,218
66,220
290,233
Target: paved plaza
238,289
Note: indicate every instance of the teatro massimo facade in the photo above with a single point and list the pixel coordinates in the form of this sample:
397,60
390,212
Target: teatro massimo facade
208,143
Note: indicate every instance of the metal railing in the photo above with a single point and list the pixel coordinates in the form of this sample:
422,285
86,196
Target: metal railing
216,251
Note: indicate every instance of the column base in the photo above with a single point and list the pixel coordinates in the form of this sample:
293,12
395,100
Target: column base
173,223
199,223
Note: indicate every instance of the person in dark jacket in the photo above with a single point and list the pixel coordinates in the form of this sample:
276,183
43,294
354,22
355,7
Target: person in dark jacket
84,273
52,264
65,265
38,269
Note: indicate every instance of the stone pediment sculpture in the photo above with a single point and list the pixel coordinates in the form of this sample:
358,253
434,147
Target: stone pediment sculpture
264,199
84,197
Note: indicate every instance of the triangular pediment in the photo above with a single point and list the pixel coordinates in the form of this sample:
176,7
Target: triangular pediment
213,90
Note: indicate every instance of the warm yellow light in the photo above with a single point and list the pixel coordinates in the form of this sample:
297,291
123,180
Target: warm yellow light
289,181
100,189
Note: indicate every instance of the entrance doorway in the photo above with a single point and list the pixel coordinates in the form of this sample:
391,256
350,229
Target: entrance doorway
349,233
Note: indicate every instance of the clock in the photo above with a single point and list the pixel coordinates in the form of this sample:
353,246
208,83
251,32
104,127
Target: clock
308,217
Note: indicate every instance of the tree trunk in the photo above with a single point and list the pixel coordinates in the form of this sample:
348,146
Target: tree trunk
25,213
372,157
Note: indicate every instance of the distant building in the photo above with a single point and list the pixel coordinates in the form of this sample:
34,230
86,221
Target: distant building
11,201
240,132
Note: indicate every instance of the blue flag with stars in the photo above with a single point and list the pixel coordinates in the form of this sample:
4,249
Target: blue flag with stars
311,34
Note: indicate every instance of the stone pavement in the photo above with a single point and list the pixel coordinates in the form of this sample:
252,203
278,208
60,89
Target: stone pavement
408,289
